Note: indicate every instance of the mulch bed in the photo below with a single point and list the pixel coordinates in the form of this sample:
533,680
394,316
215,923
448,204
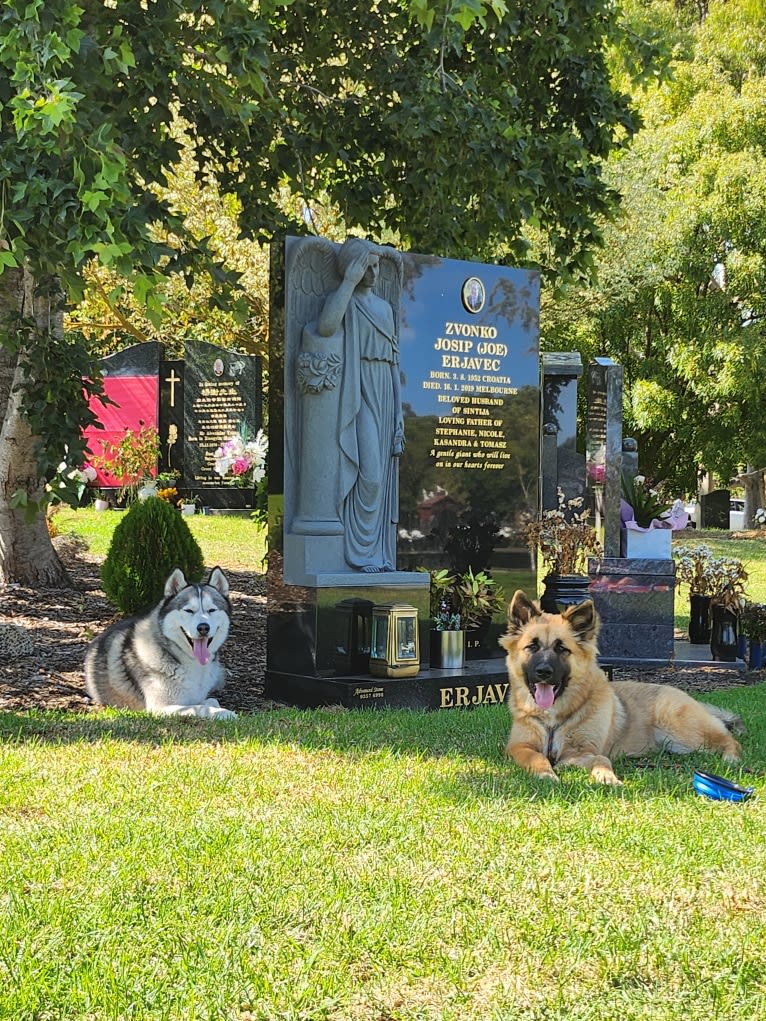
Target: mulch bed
61,623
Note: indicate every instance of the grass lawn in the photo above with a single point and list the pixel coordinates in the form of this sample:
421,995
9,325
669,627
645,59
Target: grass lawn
332,865
235,542
367,865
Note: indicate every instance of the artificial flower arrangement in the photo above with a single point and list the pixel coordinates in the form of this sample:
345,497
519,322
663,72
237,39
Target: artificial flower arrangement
168,494
564,537
641,507
165,485
241,459
69,484
721,578
462,601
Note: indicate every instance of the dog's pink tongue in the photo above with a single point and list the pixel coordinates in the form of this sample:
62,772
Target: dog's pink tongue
544,695
200,651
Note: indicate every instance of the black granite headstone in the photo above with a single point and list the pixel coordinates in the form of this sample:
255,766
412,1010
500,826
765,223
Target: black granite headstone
604,446
714,508
562,466
471,392
222,395
468,478
194,403
635,602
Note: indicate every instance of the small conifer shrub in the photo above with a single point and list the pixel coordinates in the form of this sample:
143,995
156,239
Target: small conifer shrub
150,541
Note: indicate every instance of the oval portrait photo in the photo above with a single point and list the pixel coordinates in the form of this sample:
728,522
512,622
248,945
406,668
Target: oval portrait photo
473,294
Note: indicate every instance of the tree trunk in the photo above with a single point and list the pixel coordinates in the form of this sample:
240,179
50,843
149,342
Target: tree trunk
27,556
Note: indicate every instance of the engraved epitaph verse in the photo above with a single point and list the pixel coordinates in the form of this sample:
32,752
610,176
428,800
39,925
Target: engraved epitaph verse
217,411
472,380
221,396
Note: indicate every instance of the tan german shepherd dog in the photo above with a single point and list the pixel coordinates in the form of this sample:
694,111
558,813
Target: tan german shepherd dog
566,713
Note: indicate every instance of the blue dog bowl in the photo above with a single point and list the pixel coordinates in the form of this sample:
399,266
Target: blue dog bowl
718,788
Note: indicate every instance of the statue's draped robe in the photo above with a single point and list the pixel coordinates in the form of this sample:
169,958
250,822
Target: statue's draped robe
369,411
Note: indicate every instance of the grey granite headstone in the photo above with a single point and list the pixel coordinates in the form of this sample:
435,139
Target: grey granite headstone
603,444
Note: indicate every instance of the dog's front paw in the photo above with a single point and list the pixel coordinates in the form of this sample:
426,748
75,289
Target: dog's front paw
602,774
212,710
223,714
548,774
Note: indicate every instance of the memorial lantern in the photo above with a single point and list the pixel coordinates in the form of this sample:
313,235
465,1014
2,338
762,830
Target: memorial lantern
394,649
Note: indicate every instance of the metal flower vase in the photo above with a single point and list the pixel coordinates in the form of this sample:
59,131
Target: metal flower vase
448,650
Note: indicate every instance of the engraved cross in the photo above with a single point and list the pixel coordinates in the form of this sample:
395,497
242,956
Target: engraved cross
172,379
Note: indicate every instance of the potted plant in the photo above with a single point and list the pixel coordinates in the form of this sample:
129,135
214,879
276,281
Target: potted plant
478,598
726,602
564,540
188,505
461,603
647,521
131,460
752,620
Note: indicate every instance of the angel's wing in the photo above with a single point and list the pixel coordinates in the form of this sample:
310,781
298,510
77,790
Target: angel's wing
311,272
390,279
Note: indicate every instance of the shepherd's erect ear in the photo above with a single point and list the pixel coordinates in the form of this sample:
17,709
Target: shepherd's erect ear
583,620
520,611
175,583
219,581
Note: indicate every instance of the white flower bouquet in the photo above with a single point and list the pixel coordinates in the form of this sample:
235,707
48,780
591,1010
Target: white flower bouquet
241,459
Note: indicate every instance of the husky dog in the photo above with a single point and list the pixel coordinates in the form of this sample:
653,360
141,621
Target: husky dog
166,661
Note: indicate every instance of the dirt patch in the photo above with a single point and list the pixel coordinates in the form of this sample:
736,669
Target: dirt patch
61,623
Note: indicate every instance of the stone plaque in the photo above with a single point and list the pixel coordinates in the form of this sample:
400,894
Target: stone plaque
222,394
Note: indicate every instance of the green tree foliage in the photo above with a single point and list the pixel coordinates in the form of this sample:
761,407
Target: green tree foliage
682,278
451,126
450,133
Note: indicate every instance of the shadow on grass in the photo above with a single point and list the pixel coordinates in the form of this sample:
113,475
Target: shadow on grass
472,738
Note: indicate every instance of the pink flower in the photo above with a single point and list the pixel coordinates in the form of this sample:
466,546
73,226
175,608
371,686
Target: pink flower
240,466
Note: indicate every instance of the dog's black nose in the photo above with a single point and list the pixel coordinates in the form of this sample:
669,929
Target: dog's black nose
203,629
543,671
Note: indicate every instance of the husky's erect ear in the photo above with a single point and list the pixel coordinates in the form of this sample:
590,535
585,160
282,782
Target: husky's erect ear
520,611
175,583
583,620
219,581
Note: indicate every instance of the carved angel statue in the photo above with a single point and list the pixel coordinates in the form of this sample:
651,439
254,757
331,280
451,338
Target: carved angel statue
346,431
